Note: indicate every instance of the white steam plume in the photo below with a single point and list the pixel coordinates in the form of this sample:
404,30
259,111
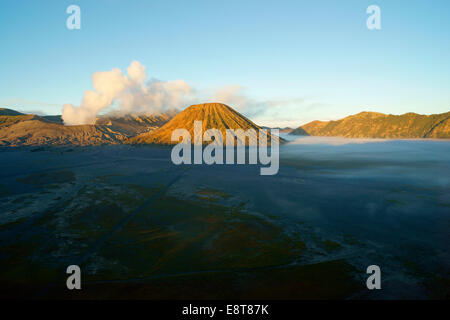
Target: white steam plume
130,92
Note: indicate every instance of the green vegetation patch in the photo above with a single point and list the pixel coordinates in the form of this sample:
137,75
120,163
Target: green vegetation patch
46,178
211,194
331,246
176,235
395,201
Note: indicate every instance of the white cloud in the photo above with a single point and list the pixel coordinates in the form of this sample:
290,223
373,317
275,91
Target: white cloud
130,92
276,112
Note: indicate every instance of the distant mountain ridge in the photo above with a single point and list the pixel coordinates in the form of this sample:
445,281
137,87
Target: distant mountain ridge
378,125
9,112
132,125
280,129
18,129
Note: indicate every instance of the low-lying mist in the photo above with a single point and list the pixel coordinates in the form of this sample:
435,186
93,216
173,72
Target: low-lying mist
425,162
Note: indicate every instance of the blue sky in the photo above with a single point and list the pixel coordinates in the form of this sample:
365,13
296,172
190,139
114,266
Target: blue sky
316,52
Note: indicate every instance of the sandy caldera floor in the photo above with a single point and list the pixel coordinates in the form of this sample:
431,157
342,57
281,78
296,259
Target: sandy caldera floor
143,228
